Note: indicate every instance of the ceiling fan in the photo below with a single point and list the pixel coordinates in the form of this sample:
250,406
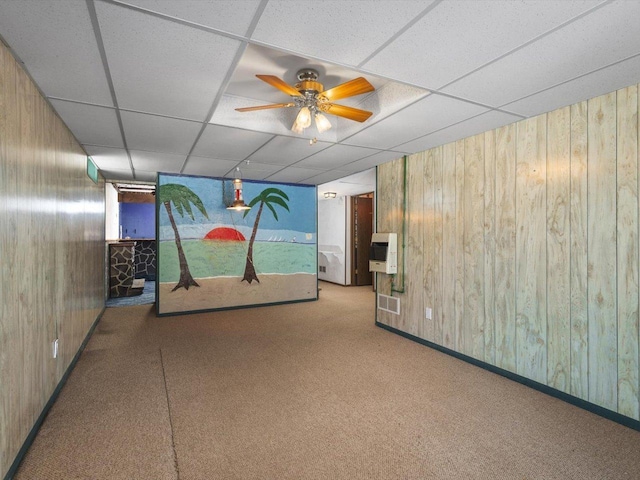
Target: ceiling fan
309,95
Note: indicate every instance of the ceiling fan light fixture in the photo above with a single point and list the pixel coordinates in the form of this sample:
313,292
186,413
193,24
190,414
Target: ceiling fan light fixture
304,117
296,128
322,123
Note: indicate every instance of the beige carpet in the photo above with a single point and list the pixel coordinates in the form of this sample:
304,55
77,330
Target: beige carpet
305,391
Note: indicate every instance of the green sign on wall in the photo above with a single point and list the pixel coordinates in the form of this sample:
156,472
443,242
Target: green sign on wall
92,170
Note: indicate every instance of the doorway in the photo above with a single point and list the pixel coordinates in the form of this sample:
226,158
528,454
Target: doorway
361,230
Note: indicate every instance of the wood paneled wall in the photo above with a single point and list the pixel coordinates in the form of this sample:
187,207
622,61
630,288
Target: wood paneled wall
524,241
52,253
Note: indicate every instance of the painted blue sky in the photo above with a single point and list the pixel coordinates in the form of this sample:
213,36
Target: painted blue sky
302,205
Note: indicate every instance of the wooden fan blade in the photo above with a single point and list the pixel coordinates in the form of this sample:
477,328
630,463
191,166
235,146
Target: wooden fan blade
346,112
265,107
357,86
280,85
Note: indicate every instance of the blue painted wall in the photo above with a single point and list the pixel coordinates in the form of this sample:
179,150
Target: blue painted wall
138,220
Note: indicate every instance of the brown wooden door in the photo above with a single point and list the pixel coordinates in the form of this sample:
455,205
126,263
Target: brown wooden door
362,229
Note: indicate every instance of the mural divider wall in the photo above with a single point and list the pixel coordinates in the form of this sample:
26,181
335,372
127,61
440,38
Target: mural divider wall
212,258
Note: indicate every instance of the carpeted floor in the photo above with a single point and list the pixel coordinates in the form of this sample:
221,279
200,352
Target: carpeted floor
305,391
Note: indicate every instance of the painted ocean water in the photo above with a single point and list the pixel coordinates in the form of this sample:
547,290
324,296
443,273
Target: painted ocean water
213,258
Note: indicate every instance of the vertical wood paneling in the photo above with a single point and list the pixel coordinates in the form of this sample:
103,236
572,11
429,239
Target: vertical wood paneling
489,246
627,246
429,243
43,182
412,302
389,198
603,368
459,277
531,287
558,248
505,257
474,246
531,248
578,267
449,246
438,273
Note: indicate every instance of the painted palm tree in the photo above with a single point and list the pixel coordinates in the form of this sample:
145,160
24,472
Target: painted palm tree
181,197
269,197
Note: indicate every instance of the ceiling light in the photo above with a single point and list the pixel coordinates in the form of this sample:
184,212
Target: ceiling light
329,194
322,123
238,202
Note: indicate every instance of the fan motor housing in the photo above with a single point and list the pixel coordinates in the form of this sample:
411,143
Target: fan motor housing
308,81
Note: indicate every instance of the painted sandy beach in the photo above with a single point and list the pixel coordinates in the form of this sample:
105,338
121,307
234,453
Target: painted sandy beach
226,292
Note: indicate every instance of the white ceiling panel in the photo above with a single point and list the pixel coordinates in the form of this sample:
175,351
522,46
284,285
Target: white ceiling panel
109,158
286,150
610,34
475,125
372,161
293,175
162,134
117,174
229,143
226,15
163,67
56,42
356,184
589,86
146,176
208,167
350,31
156,162
326,177
90,124
335,156
257,171
422,117
458,36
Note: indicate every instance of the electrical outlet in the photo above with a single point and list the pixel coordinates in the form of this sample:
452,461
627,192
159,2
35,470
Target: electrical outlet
427,313
54,348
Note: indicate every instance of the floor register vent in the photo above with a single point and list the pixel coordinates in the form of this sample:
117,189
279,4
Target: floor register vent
389,304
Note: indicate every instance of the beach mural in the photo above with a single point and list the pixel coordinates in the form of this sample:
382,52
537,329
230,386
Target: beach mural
213,258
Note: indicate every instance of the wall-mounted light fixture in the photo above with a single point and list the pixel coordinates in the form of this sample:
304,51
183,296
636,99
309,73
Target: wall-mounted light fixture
238,202
329,194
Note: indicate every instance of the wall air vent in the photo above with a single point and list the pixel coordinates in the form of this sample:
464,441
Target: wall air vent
389,304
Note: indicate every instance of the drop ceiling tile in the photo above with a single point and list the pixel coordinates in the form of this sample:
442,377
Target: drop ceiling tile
372,161
208,167
256,171
54,39
607,35
143,176
473,126
589,86
293,175
350,31
427,115
286,150
459,36
157,162
335,156
109,158
325,177
225,15
117,174
160,134
229,143
354,184
90,124
159,66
